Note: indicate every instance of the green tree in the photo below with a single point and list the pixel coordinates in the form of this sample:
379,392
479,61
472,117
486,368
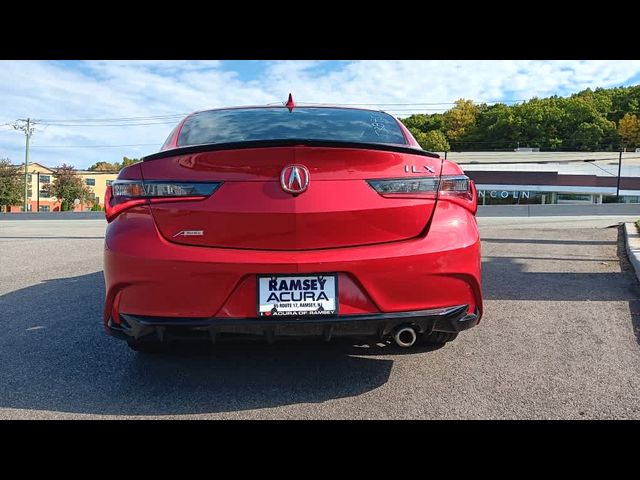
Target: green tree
587,120
433,140
11,185
629,129
538,123
113,167
126,161
424,123
67,187
105,167
496,128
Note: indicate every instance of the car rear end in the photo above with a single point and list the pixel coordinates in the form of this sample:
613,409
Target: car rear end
276,222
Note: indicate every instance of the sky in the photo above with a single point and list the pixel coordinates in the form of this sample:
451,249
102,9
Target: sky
90,111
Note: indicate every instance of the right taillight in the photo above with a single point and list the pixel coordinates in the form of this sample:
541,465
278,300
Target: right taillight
124,194
459,189
456,188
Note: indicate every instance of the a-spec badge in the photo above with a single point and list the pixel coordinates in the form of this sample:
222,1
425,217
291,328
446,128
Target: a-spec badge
189,233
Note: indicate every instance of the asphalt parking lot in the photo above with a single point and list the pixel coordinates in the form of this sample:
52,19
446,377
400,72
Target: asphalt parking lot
560,339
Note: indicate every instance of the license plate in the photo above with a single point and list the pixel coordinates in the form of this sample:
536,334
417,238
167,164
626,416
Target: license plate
297,295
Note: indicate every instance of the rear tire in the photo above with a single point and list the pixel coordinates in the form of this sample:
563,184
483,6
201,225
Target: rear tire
148,346
437,338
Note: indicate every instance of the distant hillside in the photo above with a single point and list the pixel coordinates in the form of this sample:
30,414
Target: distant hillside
600,119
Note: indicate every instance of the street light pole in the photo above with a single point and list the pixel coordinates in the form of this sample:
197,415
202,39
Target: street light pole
27,128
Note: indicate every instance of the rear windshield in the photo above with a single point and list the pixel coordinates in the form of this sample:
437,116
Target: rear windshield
255,124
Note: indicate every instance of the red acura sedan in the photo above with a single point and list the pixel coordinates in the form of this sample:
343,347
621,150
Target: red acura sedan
291,221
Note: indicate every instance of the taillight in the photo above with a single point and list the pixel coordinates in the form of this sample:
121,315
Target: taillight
124,194
457,188
406,187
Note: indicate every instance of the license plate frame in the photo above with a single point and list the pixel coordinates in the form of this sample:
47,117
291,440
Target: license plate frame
262,282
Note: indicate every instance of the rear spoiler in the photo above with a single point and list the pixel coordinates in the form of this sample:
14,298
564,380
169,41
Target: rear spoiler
212,147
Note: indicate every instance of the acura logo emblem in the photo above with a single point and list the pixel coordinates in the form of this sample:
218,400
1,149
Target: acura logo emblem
294,179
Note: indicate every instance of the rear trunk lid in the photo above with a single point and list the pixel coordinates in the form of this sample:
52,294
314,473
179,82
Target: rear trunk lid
251,210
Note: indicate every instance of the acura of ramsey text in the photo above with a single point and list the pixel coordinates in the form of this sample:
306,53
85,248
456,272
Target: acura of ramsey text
291,221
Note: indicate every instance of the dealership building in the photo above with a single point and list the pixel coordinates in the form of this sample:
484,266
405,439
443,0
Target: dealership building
39,201
530,177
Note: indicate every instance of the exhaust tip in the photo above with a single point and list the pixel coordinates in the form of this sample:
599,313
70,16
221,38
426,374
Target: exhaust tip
405,337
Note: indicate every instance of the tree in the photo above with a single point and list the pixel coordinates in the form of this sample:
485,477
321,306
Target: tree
588,120
434,141
113,167
423,123
629,129
11,184
461,118
105,167
126,161
67,186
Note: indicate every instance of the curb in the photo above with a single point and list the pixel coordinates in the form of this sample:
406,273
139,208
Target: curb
632,242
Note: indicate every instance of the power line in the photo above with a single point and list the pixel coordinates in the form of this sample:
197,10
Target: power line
604,170
105,124
409,103
97,146
116,119
179,115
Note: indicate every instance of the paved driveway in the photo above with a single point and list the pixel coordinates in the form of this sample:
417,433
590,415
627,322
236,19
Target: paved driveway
557,341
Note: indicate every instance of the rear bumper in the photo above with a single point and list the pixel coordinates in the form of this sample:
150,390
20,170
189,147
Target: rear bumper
149,277
378,325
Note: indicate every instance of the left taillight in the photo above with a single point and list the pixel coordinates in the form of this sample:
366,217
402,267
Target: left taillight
124,194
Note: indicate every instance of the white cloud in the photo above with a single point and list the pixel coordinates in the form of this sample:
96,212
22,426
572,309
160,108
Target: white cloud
108,89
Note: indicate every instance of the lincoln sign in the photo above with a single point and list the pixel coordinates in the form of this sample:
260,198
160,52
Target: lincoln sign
503,194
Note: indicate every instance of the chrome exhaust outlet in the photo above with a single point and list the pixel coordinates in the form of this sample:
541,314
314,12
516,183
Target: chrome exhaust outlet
404,337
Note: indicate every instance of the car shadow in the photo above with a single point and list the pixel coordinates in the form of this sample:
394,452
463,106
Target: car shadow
56,356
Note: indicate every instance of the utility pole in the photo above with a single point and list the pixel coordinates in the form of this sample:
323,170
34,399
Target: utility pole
27,127
619,171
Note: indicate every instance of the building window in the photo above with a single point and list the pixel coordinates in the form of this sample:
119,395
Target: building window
45,178
44,208
29,193
90,182
623,199
574,198
44,194
29,177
